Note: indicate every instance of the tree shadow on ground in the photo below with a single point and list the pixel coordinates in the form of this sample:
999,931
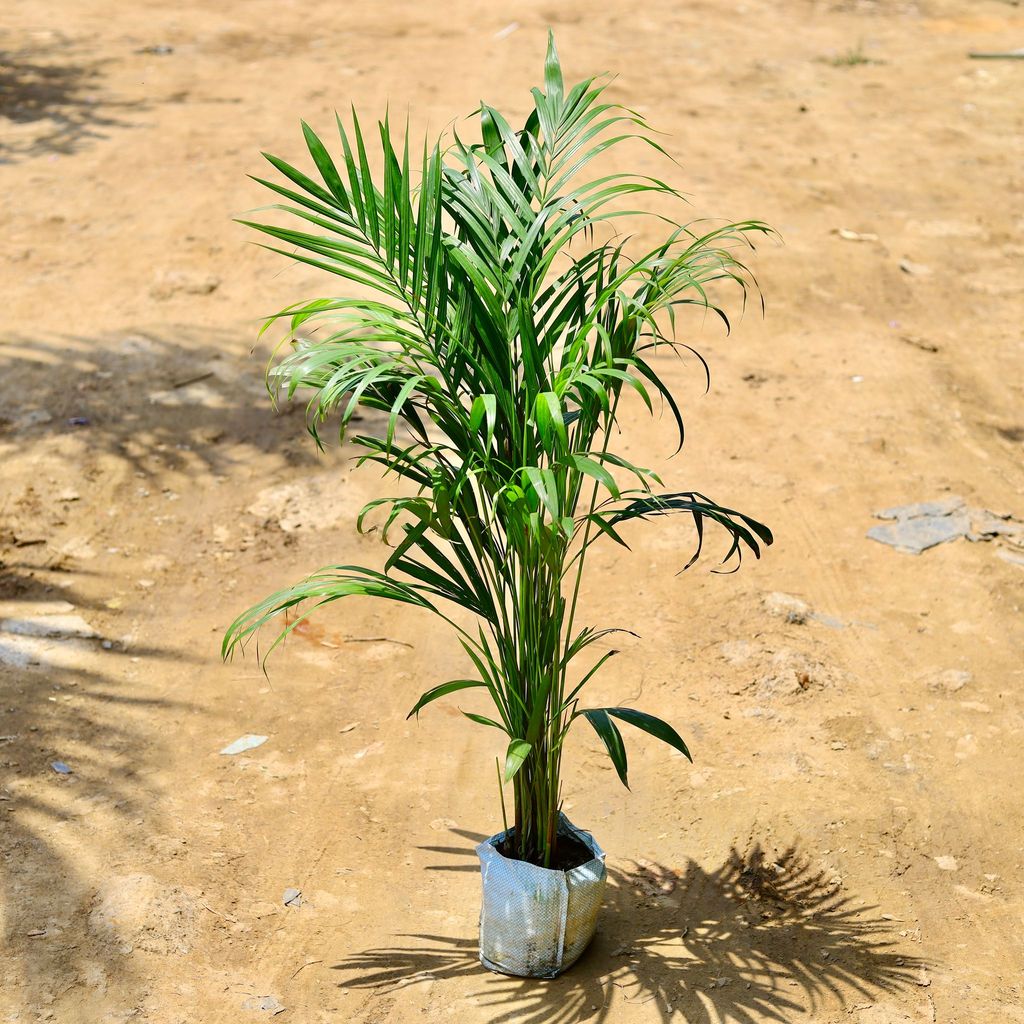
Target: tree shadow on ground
65,707
43,86
757,939
156,399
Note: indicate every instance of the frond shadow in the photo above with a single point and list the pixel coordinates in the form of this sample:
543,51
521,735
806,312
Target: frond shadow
757,939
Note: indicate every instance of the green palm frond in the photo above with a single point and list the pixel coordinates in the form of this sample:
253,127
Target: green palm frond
497,334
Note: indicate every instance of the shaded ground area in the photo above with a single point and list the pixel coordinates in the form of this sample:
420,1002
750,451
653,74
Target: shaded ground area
847,845
53,100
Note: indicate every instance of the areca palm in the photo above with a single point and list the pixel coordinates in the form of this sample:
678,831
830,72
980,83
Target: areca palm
498,339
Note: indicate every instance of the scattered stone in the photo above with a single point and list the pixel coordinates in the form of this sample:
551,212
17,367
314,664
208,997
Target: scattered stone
923,525
267,1004
787,607
790,673
915,269
33,418
797,612
987,525
244,743
855,236
952,680
169,283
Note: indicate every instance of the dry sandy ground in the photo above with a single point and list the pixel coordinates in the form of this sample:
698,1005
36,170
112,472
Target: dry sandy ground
848,845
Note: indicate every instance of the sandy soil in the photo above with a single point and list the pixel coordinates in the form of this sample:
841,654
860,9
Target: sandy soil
848,845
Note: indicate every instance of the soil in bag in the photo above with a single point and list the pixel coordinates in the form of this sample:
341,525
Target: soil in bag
569,853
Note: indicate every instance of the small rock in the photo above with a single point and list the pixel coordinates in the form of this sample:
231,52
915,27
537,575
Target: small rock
947,863
244,743
33,418
790,672
169,283
855,236
60,767
267,1004
915,269
787,607
952,680
293,897
923,525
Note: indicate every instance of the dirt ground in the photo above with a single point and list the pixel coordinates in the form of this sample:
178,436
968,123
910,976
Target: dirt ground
848,845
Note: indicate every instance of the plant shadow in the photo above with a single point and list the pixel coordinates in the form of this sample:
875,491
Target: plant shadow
760,938
156,400
75,772
40,86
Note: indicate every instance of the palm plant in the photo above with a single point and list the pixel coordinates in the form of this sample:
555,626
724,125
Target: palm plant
498,337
